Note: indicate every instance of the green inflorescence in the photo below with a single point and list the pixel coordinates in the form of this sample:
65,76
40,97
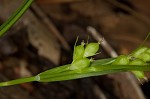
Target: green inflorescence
82,66
138,57
81,54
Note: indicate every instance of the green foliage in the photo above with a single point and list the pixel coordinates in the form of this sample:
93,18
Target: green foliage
137,62
138,74
140,56
139,51
145,56
121,60
81,66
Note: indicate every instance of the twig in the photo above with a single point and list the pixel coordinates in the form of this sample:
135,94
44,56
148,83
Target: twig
50,26
98,92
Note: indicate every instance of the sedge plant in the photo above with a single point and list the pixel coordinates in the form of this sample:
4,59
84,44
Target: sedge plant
82,65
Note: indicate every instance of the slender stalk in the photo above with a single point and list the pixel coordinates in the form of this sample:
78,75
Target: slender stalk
55,70
92,71
77,76
15,17
18,81
61,73
61,69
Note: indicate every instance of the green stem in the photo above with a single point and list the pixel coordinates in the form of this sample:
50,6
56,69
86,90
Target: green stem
92,71
63,73
18,81
15,17
63,68
55,70
50,73
71,76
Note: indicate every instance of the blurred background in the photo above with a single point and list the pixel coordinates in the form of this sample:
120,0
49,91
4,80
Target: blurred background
44,38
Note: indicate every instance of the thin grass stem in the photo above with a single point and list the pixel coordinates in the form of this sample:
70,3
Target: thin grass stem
15,17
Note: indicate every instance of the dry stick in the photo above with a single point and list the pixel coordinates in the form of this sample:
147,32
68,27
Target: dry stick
50,26
98,92
113,53
138,15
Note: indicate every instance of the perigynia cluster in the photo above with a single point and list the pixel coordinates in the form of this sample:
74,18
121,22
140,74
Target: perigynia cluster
81,54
